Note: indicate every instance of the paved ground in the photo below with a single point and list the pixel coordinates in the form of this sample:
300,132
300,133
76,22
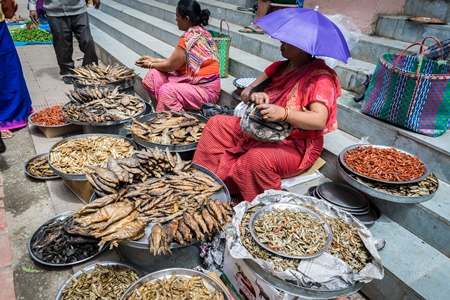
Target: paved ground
25,204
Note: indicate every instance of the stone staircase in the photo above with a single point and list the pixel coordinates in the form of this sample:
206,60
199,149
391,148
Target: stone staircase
417,255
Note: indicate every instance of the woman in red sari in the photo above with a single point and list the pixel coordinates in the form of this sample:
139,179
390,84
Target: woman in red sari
304,93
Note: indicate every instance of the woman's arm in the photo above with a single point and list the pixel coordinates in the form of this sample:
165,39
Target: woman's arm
246,91
173,63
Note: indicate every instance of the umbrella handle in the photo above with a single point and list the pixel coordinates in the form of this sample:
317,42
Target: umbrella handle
220,30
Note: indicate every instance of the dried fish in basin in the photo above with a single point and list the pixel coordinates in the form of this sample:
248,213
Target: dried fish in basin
176,287
103,282
39,167
290,231
95,75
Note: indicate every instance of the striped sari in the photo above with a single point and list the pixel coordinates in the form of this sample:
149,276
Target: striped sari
249,167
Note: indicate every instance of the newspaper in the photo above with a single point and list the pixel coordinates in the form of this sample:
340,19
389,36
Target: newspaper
325,272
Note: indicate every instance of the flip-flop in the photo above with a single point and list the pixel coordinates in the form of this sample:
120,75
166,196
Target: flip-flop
252,30
10,135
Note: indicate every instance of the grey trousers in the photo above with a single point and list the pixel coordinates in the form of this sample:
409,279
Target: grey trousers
63,29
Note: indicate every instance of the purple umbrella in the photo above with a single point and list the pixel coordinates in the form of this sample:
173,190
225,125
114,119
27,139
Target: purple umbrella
308,30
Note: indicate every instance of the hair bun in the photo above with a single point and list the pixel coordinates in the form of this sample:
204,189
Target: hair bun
204,16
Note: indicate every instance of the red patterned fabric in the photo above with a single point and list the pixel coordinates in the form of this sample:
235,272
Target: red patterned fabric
249,167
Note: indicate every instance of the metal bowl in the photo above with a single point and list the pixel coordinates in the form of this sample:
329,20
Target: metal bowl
342,160
57,130
377,194
34,236
80,176
295,290
186,148
210,282
91,268
300,208
126,87
110,127
34,176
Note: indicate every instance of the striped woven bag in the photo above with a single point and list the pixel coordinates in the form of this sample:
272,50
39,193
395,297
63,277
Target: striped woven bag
410,91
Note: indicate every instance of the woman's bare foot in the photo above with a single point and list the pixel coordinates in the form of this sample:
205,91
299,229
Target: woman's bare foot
6,134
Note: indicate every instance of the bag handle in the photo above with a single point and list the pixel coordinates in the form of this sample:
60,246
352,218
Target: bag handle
438,42
226,22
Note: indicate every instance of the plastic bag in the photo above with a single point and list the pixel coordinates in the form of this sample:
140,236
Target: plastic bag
349,30
240,109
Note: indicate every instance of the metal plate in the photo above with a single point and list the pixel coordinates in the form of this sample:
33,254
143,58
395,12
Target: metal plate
426,20
33,237
80,136
377,194
172,148
295,290
43,126
342,160
109,123
223,195
342,195
371,217
210,282
284,206
91,268
34,176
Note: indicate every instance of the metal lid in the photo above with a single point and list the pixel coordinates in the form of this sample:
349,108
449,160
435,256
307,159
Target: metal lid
342,195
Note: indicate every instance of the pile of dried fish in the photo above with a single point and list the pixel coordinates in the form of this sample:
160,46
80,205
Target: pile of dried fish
176,287
418,189
103,282
96,75
39,167
169,128
92,106
346,244
292,232
72,155
139,167
59,242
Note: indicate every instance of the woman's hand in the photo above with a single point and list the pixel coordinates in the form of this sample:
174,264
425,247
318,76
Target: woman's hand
259,98
144,63
271,112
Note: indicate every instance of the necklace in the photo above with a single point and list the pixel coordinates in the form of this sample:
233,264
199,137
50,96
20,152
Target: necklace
288,68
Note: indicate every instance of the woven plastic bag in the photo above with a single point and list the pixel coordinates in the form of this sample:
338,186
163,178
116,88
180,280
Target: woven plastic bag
223,42
410,91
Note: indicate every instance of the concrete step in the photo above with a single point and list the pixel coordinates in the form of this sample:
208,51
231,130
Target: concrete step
399,28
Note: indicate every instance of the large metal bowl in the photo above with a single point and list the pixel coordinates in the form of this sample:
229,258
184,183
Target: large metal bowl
34,176
295,290
187,256
91,268
210,282
126,87
34,236
80,176
344,152
378,194
110,127
57,130
186,151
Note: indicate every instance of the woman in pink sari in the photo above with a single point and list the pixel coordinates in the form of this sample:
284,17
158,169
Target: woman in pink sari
190,76
304,93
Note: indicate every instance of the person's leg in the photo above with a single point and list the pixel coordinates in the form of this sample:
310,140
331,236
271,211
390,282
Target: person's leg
62,43
2,145
263,8
82,31
6,134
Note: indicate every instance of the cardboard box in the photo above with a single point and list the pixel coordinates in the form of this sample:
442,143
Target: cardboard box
50,132
244,284
81,188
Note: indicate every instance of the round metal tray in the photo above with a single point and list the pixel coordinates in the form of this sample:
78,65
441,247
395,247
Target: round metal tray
124,86
81,176
91,268
342,195
342,160
33,237
210,282
295,290
377,194
172,148
223,195
109,123
34,176
44,126
283,206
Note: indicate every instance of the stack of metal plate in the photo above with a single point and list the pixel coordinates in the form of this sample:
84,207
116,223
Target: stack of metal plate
348,199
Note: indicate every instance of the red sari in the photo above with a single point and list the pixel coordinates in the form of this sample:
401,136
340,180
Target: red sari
250,167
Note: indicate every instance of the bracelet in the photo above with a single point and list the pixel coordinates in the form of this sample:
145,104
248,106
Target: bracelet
286,114
150,65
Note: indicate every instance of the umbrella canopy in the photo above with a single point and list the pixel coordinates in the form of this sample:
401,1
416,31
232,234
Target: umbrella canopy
308,30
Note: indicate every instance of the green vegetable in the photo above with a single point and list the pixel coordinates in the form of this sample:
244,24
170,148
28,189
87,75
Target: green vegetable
25,269
25,35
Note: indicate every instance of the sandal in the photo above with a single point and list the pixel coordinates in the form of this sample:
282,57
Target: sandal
6,134
250,29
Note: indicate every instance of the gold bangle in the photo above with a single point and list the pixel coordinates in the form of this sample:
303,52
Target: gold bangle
150,65
286,114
